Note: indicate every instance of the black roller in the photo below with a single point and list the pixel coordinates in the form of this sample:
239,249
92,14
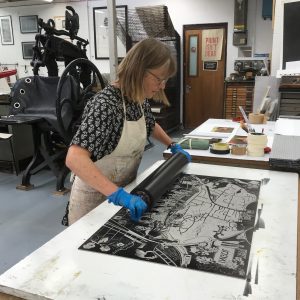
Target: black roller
157,183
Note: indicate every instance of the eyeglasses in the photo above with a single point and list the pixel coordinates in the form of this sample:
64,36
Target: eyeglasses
159,80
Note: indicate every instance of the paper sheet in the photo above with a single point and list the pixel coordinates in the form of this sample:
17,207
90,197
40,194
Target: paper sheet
4,87
287,126
215,130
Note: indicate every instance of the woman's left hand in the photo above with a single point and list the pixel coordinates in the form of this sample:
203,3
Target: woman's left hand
175,148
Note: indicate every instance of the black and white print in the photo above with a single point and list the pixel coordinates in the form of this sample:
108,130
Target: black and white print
202,223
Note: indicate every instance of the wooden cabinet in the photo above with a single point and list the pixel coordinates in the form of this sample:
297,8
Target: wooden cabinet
238,93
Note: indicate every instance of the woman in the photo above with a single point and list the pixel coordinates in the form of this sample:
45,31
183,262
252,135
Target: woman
107,149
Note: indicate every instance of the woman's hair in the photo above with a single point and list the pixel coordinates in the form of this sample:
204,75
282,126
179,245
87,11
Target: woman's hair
146,55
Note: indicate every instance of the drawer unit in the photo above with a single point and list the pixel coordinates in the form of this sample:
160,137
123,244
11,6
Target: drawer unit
238,94
289,104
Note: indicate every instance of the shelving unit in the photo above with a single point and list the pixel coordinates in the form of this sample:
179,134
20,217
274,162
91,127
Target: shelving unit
155,21
238,93
245,51
289,88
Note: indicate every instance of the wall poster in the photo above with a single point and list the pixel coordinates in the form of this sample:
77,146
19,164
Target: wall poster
6,31
29,24
60,22
101,31
27,49
212,43
202,223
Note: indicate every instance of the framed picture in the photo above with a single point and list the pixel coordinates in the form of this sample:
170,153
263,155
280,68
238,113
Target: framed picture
29,24
59,22
6,31
100,15
27,49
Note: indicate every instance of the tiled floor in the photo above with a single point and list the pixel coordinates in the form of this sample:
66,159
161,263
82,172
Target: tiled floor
28,219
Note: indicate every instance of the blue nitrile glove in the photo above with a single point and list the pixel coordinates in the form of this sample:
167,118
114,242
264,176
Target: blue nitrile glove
175,148
135,204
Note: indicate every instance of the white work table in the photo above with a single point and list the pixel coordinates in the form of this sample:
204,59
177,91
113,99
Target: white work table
205,156
58,270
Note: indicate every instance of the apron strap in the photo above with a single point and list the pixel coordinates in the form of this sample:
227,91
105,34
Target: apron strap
124,107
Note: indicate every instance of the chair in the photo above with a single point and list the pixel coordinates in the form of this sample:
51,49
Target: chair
54,106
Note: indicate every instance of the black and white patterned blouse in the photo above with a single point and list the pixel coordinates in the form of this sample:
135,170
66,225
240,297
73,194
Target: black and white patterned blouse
102,122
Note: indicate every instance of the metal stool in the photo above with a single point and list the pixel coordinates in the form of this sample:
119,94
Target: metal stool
8,137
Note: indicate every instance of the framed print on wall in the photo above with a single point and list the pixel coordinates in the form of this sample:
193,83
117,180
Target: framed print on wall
29,24
27,49
60,22
6,31
100,15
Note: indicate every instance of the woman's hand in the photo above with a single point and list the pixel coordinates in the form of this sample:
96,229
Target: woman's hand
135,204
175,148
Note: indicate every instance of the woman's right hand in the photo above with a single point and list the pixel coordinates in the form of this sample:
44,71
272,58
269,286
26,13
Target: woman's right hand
135,204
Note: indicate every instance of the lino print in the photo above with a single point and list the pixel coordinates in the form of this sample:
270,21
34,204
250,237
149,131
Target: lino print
202,223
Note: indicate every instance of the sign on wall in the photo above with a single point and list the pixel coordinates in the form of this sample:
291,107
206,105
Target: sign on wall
210,65
212,42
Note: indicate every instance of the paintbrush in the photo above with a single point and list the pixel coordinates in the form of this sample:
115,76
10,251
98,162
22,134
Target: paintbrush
250,129
244,127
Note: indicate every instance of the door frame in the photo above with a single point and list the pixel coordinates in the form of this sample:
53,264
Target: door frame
199,27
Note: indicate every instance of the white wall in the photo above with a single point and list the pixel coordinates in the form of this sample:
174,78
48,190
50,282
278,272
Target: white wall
259,30
181,12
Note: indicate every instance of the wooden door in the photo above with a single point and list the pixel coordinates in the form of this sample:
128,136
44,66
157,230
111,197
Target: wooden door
203,91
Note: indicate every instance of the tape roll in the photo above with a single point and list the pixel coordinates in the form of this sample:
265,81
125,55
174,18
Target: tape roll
257,139
219,151
256,144
219,148
256,118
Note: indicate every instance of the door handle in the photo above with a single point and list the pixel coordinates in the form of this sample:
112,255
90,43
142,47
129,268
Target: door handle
187,88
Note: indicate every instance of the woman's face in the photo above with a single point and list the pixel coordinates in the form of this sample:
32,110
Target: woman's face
155,80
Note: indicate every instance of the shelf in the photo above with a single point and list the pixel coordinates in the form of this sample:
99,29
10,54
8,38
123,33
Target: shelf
238,94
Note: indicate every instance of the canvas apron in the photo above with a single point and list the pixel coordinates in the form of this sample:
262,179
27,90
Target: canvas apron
120,167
